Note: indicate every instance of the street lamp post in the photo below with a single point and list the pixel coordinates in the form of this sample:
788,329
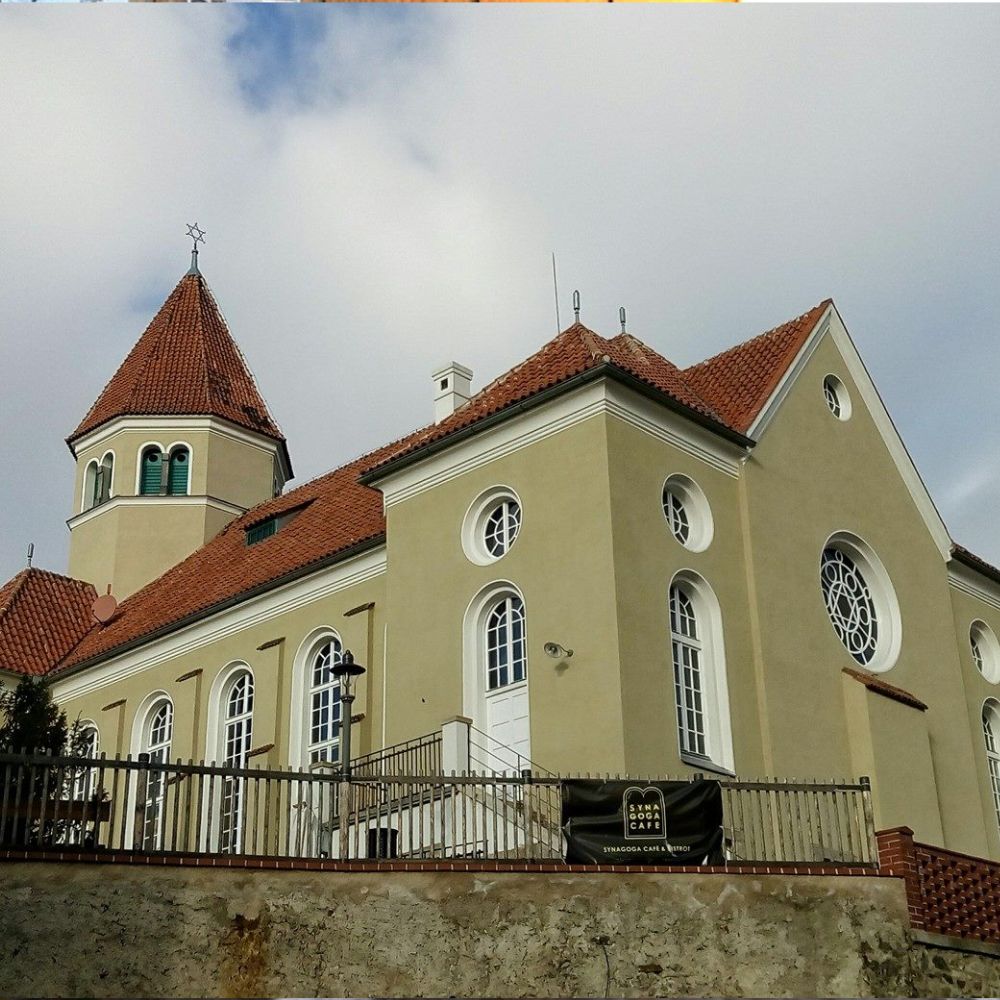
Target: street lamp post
346,671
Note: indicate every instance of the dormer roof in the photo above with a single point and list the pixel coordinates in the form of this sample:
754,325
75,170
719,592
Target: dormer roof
186,363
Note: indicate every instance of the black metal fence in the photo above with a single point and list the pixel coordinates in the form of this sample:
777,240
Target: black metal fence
136,805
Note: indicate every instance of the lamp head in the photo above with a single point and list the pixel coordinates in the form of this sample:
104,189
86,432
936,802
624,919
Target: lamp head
347,670
556,651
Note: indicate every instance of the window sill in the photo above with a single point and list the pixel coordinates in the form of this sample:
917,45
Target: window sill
704,764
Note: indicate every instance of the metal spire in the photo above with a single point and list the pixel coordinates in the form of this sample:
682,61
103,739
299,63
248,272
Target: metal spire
621,317
576,306
31,553
198,236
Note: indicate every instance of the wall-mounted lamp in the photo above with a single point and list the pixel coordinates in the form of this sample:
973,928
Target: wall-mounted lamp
556,651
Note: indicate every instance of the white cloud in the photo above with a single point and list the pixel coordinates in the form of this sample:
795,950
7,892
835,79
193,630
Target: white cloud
392,200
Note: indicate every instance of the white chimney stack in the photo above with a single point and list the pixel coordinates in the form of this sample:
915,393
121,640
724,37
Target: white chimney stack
452,388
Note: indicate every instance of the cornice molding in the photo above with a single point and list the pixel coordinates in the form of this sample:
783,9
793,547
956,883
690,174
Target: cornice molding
155,501
214,627
968,581
595,398
155,424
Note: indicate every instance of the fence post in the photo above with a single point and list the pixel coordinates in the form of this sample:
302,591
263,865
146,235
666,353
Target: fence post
455,739
344,825
896,852
141,793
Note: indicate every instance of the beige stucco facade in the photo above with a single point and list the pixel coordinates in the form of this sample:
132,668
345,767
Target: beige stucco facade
130,540
593,562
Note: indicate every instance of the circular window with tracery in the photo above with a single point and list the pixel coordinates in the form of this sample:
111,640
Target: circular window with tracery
985,651
837,398
491,525
688,514
850,604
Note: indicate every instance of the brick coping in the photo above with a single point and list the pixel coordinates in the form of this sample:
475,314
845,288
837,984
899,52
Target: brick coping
326,864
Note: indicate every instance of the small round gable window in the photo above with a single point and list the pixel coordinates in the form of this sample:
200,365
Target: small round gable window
491,526
985,651
836,397
687,512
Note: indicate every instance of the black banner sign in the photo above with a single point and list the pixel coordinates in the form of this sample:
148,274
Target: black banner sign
642,823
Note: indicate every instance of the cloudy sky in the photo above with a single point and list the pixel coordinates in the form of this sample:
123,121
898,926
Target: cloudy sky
382,189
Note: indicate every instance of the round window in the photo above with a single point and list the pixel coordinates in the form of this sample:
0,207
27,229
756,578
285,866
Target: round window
687,512
861,603
836,397
985,651
491,525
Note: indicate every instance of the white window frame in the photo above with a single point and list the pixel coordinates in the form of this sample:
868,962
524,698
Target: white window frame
883,595
697,512
215,743
711,654
477,516
152,809
143,448
512,606
991,745
985,650
836,397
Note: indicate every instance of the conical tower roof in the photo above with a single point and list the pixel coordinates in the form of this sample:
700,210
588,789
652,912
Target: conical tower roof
185,364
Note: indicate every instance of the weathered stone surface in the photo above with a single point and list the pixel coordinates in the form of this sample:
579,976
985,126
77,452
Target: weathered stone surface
82,930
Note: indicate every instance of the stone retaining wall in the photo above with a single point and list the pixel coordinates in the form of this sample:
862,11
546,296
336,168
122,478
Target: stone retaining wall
72,930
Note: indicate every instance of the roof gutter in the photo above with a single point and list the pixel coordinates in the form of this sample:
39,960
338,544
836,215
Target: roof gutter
230,602
606,369
982,567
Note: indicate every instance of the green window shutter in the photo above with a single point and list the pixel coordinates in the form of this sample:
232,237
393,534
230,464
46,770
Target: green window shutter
149,479
261,531
177,481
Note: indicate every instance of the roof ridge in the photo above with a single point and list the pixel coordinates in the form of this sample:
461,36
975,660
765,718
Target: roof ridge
758,336
21,579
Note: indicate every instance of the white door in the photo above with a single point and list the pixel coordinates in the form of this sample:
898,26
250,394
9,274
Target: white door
507,727
506,687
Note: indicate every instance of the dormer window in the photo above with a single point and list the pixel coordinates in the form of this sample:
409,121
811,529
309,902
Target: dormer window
261,531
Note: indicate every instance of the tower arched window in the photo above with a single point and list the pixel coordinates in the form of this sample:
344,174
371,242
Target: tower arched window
700,690
237,734
90,486
991,736
178,474
151,472
157,733
324,719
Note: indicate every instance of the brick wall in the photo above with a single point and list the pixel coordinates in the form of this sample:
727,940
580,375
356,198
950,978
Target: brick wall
946,892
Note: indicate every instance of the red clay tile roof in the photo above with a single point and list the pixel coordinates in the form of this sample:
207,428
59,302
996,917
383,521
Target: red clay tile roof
337,514
575,350
882,687
185,363
334,513
42,617
738,382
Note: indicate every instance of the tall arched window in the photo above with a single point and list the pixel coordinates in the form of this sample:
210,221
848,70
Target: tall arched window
89,486
105,473
157,733
151,472
688,683
323,740
506,661
991,735
237,734
179,468
701,696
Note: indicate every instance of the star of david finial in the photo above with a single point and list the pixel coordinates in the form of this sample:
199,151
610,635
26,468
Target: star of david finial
197,235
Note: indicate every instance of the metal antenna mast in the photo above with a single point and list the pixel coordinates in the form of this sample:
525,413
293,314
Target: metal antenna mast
555,286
